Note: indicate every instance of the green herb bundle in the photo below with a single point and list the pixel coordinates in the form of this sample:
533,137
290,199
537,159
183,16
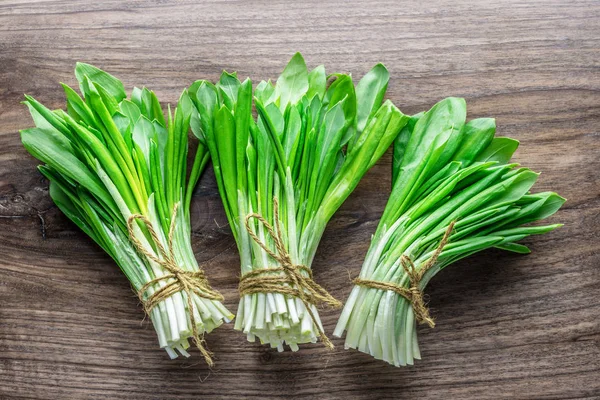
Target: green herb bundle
454,193
283,174
118,171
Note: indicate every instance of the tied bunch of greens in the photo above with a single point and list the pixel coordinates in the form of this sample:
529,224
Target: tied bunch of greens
118,171
454,193
283,174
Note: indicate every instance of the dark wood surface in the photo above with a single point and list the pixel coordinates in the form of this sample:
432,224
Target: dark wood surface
509,326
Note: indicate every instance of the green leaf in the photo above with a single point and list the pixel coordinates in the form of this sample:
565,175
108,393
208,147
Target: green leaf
400,144
272,122
243,116
397,122
143,133
225,125
48,149
500,149
189,110
107,81
514,247
369,94
434,139
478,134
46,119
229,85
292,134
292,84
206,104
48,128
136,98
131,110
77,107
341,91
317,83
66,205
111,103
265,92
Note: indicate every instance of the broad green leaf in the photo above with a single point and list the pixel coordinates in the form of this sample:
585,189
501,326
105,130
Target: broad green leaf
293,128
400,144
272,123
478,134
48,128
432,142
131,110
44,118
265,92
111,103
500,149
230,85
143,133
317,83
77,107
292,84
189,110
369,94
136,97
107,81
48,149
72,212
397,122
206,104
275,119
341,91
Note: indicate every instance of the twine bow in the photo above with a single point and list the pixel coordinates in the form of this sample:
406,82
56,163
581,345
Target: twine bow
177,279
289,279
414,294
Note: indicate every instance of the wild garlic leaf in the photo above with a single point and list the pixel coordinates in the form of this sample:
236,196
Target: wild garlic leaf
77,108
112,85
293,150
53,152
108,158
400,145
317,83
449,178
229,84
500,149
292,84
370,91
131,110
478,134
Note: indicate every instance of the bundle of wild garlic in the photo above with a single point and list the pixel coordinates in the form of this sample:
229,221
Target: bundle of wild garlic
454,194
118,171
282,176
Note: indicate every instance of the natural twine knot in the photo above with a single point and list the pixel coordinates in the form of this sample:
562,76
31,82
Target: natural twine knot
296,280
177,280
414,293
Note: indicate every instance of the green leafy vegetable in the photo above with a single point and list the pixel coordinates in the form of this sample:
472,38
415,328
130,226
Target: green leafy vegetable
109,158
308,148
445,172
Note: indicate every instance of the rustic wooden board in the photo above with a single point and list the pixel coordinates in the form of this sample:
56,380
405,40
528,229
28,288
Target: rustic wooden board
508,325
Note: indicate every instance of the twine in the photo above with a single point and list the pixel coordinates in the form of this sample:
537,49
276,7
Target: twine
290,279
190,282
414,294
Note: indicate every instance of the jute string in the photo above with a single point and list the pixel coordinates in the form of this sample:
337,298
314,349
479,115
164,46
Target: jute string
414,294
177,279
288,279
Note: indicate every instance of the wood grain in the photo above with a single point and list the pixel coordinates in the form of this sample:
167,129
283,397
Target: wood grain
509,326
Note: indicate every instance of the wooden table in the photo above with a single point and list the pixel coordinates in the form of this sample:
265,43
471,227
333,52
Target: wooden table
508,325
